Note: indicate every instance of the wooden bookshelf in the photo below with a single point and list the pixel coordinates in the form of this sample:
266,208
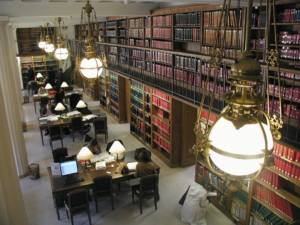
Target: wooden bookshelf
91,90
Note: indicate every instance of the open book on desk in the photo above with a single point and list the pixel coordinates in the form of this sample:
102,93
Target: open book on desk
100,165
132,166
103,156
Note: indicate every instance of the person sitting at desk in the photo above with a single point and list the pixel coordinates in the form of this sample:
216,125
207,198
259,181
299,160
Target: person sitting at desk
48,110
94,147
145,167
42,90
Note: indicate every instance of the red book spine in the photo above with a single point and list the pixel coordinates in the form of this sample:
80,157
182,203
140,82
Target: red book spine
285,152
293,170
292,154
297,158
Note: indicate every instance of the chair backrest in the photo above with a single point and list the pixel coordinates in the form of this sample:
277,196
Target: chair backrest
34,85
55,131
74,99
69,88
44,100
78,200
148,183
59,97
76,122
100,124
59,153
103,183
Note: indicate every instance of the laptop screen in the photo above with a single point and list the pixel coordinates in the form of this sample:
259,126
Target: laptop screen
68,168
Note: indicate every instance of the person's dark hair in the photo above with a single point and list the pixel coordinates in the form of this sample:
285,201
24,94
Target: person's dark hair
29,66
93,142
60,69
52,109
145,156
51,69
203,180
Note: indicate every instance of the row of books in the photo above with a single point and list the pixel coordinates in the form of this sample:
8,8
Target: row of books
113,88
187,34
136,84
136,33
113,49
241,196
276,201
136,102
147,98
161,44
164,133
219,89
222,199
162,70
232,37
162,20
217,182
238,211
289,110
137,53
147,109
114,104
157,122
114,97
123,41
111,33
124,51
286,92
273,179
162,33
138,22
138,63
135,129
148,119
115,113
137,93
212,19
186,77
124,59
112,57
289,53
228,53
161,95
285,37
122,23
286,152
160,57
113,80
265,214
258,43
137,121
212,118
187,63
161,103
289,16
112,40
110,24
187,19
162,113
258,20
161,144
213,72
102,25
139,42
288,168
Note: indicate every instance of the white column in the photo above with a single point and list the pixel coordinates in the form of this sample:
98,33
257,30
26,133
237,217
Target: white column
10,88
12,207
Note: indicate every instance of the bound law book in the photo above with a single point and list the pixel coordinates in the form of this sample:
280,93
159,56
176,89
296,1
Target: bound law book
100,165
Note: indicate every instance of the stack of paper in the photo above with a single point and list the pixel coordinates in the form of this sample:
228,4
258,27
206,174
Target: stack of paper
73,113
100,165
88,117
53,118
131,166
103,156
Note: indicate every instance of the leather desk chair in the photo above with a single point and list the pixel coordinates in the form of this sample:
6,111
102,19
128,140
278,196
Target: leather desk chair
103,187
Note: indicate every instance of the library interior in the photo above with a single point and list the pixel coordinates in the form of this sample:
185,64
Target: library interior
129,107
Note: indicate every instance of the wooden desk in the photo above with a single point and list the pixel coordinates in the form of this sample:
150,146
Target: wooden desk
62,122
37,98
59,188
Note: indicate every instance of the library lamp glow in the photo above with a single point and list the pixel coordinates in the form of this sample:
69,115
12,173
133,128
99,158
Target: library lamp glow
48,86
91,65
85,154
117,150
64,85
81,104
49,46
39,75
61,53
42,41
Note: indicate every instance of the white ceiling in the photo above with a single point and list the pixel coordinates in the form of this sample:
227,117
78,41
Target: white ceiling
24,13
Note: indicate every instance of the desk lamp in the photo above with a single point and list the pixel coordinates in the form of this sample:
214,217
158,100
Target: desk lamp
117,150
85,154
48,86
38,76
64,85
80,105
60,107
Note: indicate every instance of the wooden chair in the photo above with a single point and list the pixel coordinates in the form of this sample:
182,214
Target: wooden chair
76,126
100,127
146,189
103,187
58,153
74,99
34,87
77,203
55,134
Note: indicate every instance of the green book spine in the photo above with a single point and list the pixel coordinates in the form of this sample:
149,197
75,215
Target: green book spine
276,221
266,214
271,218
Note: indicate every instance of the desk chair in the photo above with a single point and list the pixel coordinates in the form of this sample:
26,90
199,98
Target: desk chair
100,127
103,187
43,102
34,87
55,134
58,153
76,126
146,189
77,203
74,99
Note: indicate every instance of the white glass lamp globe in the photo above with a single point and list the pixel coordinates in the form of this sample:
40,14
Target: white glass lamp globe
42,44
61,53
91,68
247,140
49,48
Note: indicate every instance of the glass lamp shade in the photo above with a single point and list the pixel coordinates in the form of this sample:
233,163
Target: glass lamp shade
42,44
64,84
85,154
247,140
91,68
48,86
49,48
39,75
117,150
61,53
81,104
60,107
